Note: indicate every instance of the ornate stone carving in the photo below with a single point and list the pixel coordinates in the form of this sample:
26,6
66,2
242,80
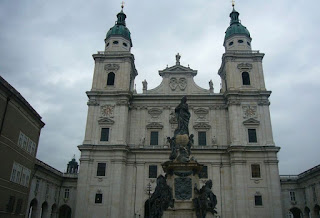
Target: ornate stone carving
202,126
264,102
92,102
105,121
111,67
201,113
251,121
233,102
155,112
244,66
173,83
183,188
182,84
122,102
154,125
107,110
249,111
173,119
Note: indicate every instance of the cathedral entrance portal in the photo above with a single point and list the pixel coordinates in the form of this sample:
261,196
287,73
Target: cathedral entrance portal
65,211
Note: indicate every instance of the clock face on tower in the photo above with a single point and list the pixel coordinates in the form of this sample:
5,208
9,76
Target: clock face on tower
107,110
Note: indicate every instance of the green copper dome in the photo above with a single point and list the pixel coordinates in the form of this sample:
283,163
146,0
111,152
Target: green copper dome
236,28
120,29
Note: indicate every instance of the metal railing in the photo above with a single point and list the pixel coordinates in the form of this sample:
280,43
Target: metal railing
243,52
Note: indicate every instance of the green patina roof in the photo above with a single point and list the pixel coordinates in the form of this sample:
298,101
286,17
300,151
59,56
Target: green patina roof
235,26
120,29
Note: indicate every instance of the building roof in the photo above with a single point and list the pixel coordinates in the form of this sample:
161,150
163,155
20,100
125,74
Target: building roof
120,29
236,28
20,98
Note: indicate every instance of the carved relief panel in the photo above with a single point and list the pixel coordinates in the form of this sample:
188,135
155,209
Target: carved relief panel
178,84
201,114
249,111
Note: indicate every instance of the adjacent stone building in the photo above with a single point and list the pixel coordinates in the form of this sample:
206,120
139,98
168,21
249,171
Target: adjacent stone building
300,194
126,133
53,193
20,127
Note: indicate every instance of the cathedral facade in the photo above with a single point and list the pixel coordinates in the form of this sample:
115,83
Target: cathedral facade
126,133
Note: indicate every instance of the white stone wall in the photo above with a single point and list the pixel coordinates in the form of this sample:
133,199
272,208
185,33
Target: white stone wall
306,188
53,196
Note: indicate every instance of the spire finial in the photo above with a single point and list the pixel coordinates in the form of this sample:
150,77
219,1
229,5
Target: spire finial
122,5
233,2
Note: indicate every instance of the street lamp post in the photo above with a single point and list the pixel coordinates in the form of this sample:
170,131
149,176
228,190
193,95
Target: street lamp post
149,192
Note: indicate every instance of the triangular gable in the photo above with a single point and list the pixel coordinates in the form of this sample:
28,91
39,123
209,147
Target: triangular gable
178,69
251,121
105,120
202,126
154,125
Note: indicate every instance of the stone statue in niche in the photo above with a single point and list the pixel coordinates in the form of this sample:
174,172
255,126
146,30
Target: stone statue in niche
206,200
161,199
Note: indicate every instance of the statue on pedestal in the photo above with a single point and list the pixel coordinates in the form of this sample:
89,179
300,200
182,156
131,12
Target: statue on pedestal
206,200
161,199
181,141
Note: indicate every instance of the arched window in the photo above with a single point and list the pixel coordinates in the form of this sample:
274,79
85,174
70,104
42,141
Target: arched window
110,81
245,78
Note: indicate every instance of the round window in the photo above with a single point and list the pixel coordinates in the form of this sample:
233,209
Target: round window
230,43
115,42
124,44
248,43
240,41
108,44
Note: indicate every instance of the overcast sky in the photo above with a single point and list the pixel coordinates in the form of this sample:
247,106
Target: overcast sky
46,49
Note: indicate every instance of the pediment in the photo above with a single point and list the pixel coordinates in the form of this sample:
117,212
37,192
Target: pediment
154,125
202,126
201,111
105,120
251,121
178,69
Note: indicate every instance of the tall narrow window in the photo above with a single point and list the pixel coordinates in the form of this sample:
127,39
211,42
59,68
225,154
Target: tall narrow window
66,193
252,135
245,78
292,196
255,171
19,206
10,204
202,138
110,81
204,172
104,134
258,200
98,198
153,171
154,138
101,170
36,189
314,194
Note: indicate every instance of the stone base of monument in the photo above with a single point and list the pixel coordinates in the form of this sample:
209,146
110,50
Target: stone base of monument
183,213
182,178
